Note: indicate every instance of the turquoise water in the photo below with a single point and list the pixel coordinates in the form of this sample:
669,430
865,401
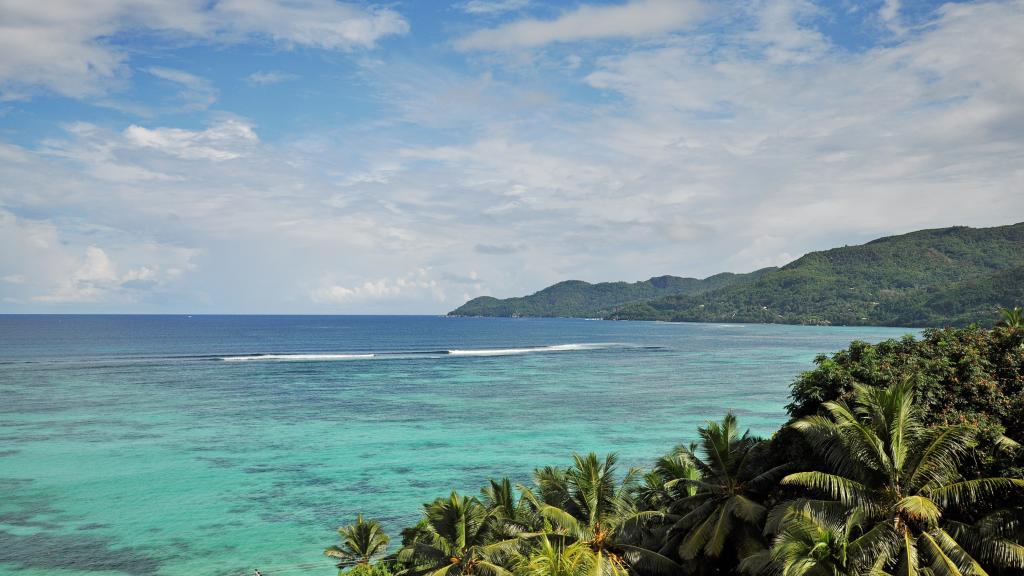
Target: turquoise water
160,445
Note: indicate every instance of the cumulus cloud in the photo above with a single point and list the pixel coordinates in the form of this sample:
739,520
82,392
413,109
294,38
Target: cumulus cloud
687,154
98,279
416,284
775,141
639,18
226,140
71,48
57,265
252,207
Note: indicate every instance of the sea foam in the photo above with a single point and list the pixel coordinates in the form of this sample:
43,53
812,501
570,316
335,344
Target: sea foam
535,349
401,355
298,357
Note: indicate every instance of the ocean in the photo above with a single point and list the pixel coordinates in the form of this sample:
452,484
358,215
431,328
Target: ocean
213,445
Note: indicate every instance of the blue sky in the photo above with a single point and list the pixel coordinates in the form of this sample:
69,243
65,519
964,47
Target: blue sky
314,156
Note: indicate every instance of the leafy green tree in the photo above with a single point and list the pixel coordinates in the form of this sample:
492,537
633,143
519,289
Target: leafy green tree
378,569
360,542
900,477
585,504
723,517
963,376
455,538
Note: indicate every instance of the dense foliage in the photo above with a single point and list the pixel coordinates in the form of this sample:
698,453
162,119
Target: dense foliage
961,376
900,458
949,276
578,299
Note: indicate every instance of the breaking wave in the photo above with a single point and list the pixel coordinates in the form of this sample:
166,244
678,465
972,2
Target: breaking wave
535,349
426,354
297,357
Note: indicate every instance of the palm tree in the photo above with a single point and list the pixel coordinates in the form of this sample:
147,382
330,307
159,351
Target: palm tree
360,542
455,538
810,542
511,515
665,483
726,507
995,538
901,478
585,505
1012,318
547,559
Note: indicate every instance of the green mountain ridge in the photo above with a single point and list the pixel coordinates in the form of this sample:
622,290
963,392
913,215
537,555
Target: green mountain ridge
945,276
579,299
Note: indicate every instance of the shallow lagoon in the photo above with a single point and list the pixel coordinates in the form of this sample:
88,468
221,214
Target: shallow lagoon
129,445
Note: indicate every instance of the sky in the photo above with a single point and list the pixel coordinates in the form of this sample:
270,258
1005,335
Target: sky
326,157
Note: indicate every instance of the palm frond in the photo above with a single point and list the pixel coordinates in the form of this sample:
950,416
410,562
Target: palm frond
968,492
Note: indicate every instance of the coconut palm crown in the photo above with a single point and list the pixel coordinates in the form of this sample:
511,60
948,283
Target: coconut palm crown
586,505
360,542
724,512
456,538
902,479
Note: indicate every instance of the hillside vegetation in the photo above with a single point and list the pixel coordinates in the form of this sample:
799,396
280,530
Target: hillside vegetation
578,299
947,276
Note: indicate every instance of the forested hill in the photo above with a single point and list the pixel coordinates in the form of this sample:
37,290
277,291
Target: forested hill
578,299
947,276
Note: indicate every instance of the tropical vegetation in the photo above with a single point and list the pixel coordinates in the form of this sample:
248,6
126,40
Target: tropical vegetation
901,457
943,277
578,299
360,543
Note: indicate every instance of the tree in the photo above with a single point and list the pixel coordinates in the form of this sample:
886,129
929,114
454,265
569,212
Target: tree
809,542
664,485
901,478
586,505
455,538
726,508
511,516
1012,318
548,559
360,542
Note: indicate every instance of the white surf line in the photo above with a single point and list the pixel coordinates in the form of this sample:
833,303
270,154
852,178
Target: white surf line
538,349
454,352
297,357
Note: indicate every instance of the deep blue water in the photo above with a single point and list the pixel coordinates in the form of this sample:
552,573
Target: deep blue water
168,445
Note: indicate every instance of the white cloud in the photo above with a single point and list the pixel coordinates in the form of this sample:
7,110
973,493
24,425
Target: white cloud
88,282
226,140
57,264
261,78
320,23
889,13
636,19
687,155
415,284
196,93
781,35
489,7
70,47
97,279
